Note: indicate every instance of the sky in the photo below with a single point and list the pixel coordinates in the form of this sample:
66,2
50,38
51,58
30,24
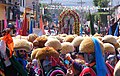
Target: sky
77,2
70,2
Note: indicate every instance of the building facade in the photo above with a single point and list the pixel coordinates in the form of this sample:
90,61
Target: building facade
9,9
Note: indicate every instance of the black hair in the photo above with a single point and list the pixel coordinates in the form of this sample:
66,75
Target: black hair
11,26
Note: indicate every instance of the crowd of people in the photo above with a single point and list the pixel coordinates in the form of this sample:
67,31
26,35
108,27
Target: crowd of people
59,55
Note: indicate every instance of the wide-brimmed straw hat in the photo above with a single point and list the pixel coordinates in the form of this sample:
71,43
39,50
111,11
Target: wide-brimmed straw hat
110,39
34,52
63,35
21,37
97,35
22,44
46,52
117,69
56,37
69,38
87,45
53,43
77,40
32,37
40,41
109,48
67,47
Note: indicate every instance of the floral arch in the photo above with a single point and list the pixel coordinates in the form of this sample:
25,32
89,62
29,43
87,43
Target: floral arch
74,14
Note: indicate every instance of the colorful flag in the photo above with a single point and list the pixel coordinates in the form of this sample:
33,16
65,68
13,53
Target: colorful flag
9,41
92,30
17,26
110,31
116,31
81,30
31,27
41,25
24,25
5,20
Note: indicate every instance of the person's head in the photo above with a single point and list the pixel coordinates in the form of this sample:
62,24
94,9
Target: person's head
10,25
5,31
22,48
80,56
77,70
47,65
21,54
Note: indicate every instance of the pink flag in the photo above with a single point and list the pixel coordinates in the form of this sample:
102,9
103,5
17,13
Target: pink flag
17,26
41,25
5,20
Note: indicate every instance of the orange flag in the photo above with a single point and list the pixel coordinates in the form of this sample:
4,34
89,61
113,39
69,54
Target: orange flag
41,25
9,41
24,25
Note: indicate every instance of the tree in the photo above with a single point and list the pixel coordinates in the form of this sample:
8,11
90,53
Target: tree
101,3
95,2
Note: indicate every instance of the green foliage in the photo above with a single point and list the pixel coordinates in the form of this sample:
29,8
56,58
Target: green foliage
87,16
95,2
97,17
47,17
101,3
101,16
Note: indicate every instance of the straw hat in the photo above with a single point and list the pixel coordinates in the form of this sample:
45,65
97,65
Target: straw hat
75,35
40,41
109,48
117,45
63,35
111,39
53,43
118,40
34,52
117,69
87,45
31,45
56,37
21,37
45,52
32,37
67,47
69,38
22,44
77,40
97,35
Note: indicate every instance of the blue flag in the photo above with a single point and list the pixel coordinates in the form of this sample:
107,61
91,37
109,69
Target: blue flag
31,27
81,30
100,63
116,31
110,31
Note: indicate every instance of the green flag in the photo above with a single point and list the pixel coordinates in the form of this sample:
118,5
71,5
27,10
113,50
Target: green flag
92,30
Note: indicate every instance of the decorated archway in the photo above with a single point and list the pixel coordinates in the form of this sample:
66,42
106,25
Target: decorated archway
74,14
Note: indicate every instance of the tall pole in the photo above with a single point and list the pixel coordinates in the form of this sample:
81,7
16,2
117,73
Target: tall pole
51,2
37,12
81,18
